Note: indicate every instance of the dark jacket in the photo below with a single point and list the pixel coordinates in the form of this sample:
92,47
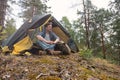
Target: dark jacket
53,36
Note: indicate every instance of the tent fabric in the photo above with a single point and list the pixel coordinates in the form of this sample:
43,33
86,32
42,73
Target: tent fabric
24,37
22,45
45,23
61,34
35,22
33,32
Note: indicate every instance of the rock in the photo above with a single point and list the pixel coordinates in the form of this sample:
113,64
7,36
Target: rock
54,73
92,78
65,75
6,76
41,74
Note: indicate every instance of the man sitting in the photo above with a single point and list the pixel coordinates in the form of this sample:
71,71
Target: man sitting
47,39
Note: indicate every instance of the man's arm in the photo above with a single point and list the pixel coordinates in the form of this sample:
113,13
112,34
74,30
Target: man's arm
57,38
44,40
56,41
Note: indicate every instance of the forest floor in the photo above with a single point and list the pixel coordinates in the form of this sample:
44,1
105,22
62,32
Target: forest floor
56,67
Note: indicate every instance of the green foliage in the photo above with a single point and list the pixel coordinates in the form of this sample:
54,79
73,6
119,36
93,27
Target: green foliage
79,33
75,29
86,53
2,34
98,54
10,27
66,23
68,26
115,4
8,31
32,7
0,28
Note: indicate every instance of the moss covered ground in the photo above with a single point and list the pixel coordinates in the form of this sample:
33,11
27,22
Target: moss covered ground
59,67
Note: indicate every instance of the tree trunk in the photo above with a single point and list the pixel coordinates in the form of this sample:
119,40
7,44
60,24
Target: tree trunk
88,22
3,5
102,41
119,53
86,26
119,57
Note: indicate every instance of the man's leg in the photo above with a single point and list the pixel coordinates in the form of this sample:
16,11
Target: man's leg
49,48
46,46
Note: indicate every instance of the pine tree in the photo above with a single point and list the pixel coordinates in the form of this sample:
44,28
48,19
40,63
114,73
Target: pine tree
31,8
3,6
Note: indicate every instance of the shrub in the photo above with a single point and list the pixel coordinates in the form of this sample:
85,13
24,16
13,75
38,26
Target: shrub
86,53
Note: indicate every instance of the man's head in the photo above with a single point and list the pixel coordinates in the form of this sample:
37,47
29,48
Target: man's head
48,26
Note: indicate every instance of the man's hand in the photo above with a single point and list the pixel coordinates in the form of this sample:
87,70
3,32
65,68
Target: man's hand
56,41
50,42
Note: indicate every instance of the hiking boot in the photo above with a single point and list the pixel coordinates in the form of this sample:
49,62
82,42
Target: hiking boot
52,52
64,48
48,52
56,52
42,52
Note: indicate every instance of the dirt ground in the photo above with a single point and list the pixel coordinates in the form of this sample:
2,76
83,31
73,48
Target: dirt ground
56,67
